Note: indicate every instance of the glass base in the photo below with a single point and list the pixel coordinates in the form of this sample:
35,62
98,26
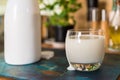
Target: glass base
86,66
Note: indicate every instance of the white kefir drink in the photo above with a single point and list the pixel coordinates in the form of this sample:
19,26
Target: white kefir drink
85,52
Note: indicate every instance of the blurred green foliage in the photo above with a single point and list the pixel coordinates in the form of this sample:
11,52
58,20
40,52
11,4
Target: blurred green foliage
62,19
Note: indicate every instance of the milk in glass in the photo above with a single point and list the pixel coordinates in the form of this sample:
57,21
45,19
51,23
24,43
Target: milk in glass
85,52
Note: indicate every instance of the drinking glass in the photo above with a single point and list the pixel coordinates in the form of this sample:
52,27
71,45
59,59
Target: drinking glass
85,49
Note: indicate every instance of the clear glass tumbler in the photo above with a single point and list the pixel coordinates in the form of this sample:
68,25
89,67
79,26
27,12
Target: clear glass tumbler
85,49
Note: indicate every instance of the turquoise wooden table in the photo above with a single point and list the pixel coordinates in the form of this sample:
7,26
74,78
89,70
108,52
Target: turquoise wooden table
55,69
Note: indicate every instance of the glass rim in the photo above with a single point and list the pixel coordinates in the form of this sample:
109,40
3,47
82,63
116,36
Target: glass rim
85,30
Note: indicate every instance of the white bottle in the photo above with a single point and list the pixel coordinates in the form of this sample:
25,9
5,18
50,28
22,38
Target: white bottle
22,32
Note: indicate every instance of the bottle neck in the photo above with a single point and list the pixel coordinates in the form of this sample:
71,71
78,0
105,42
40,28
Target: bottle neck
118,4
94,15
116,18
114,6
103,15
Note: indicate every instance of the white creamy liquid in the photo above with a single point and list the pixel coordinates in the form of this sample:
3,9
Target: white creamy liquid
85,49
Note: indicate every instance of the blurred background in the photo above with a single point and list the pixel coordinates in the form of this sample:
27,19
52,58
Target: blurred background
79,17
2,11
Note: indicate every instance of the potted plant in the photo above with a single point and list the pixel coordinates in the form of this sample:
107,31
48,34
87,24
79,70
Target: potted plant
60,15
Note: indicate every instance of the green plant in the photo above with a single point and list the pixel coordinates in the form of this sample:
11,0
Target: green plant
60,11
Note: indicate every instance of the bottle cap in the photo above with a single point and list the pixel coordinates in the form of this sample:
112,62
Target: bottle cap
92,3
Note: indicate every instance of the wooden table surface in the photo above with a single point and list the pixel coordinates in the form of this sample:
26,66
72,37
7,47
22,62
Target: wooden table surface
55,69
